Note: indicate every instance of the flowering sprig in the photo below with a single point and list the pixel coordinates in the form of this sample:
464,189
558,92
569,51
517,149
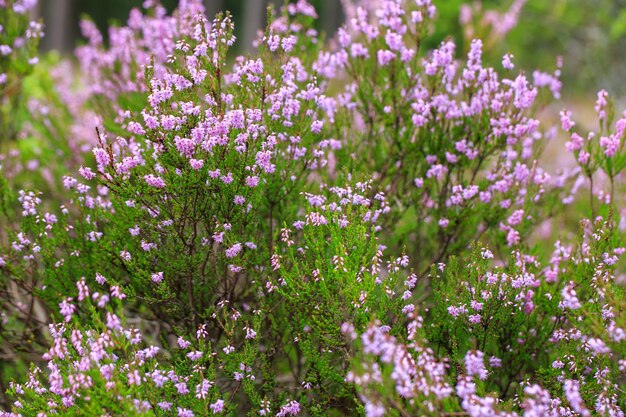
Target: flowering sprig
598,151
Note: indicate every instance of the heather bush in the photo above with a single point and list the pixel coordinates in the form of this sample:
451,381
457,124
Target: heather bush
362,226
454,144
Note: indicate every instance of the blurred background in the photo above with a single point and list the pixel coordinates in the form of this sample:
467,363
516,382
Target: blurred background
590,35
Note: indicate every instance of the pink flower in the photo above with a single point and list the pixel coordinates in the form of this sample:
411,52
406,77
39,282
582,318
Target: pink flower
154,181
102,157
86,173
134,378
67,309
234,250
183,412
217,407
507,63
385,57
292,408
183,344
475,364
252,181
196,164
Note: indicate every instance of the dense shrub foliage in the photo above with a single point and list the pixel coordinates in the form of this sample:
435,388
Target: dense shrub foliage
358,226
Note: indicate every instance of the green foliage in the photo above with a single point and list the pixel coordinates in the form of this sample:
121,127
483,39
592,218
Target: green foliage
355,229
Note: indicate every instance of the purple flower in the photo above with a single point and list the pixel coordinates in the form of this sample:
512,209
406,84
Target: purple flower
217,407
234,250
475,364
183,412
154,181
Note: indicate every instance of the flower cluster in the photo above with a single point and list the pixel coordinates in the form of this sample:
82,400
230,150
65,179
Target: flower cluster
452,141
356,227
